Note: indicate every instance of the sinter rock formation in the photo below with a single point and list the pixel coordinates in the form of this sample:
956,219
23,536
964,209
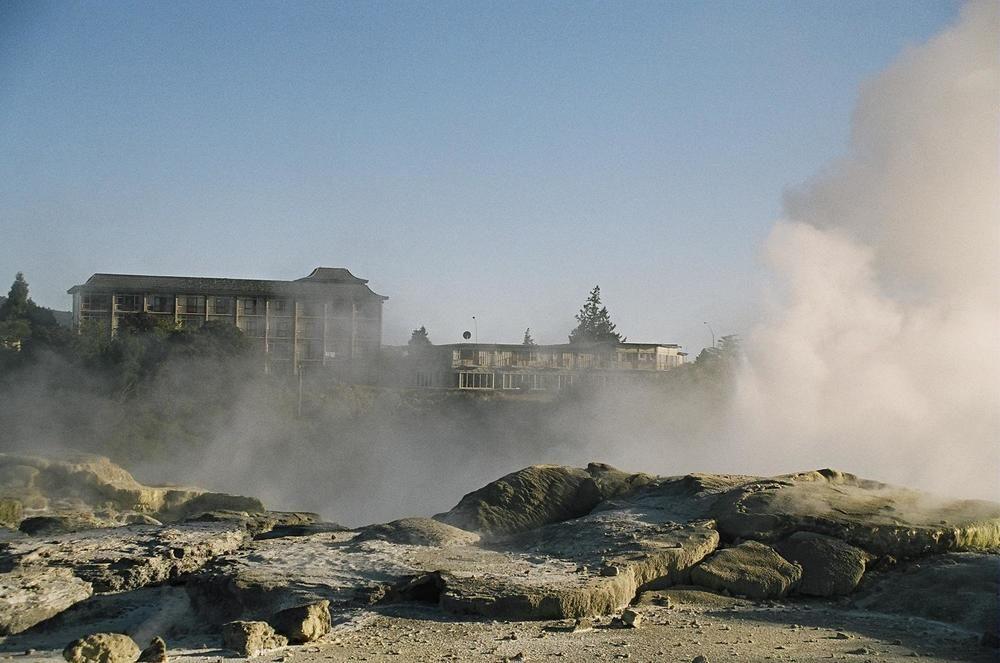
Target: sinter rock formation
543,543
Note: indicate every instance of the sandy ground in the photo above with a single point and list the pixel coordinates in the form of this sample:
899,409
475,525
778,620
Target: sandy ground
718,628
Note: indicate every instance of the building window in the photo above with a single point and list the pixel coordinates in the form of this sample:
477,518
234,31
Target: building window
192,304
249,306
161,304
468,380
281,327
94,302
130,303
222,305
279,306
512,381
252,326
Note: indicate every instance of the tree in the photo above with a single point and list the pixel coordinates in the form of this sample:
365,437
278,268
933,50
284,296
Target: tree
595,324
527,338
16,304
419,338
25,326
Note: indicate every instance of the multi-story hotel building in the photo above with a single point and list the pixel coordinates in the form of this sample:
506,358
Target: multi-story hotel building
330,318
508,367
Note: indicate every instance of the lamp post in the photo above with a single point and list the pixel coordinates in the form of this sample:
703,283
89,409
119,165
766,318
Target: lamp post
711,330
475,328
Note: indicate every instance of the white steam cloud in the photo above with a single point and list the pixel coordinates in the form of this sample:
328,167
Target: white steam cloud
880,353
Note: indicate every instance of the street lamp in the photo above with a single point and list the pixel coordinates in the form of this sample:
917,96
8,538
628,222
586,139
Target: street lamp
475,327
711,330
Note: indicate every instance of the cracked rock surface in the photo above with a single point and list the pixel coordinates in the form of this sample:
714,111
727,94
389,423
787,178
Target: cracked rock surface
549,544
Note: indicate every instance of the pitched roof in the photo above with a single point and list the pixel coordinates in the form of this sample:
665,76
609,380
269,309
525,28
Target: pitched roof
332,275
318,283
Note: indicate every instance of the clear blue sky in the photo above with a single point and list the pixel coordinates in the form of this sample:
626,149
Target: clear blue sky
469,158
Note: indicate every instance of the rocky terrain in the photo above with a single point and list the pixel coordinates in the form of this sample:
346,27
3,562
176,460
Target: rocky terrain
547,562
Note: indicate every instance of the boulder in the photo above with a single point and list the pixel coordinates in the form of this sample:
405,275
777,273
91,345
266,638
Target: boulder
539,495
750,569
156,652
303,623
102,648
418,532
631,618
830,567
250,638
11,512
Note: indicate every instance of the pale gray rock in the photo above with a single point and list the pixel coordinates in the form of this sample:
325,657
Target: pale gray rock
750,569
251,638
418,532
830,567
31,595
125,558
102,648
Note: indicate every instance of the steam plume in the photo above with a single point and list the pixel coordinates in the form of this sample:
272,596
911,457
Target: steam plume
880,352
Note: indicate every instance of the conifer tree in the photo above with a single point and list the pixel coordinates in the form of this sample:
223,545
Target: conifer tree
595,324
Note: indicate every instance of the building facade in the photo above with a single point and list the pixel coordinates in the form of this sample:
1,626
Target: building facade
330,318
509,367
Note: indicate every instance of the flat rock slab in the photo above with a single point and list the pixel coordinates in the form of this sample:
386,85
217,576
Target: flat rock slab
750,569
30,596
126,558
882,519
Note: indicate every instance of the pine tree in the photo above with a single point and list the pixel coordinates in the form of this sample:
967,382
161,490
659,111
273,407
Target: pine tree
16,304
419,338
595,324
527,338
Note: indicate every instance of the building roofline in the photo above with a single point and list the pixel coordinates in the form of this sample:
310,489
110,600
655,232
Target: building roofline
318,281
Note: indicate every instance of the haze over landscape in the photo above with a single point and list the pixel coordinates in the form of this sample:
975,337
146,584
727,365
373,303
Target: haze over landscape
804,195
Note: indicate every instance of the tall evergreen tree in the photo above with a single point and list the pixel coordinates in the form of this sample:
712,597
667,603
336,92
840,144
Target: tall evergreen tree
527,338
594,322
16,304
419,338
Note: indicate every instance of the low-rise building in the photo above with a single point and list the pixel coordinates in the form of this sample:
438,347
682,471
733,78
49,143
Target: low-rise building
509,367
330,318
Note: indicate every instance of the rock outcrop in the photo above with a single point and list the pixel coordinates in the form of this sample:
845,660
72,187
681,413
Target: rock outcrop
879,518
418,532
46,577
539,495
543,543
91,491
36,593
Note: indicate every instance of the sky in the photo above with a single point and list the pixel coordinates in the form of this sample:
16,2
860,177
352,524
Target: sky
481,159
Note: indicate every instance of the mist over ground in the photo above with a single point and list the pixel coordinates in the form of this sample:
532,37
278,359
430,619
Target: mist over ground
876,353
